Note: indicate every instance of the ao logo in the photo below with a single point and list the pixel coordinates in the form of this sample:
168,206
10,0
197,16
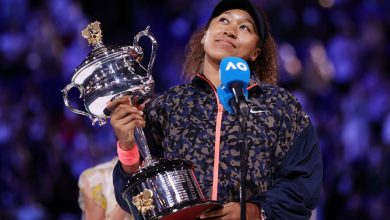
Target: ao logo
239,65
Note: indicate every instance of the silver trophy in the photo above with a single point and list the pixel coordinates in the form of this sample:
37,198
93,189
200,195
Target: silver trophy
108,73
161,189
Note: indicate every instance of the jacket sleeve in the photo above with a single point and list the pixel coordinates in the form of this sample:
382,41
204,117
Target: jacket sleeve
298,182
120,179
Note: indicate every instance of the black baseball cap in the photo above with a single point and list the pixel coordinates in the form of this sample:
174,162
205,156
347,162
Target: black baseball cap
247,6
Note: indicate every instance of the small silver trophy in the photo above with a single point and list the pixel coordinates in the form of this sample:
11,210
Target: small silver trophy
161,189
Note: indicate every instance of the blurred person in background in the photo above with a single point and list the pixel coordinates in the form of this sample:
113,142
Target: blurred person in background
96,196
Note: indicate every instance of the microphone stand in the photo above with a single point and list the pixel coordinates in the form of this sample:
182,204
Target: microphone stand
242,118
241,107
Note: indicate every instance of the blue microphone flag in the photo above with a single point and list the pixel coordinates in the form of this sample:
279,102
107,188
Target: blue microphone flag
232,70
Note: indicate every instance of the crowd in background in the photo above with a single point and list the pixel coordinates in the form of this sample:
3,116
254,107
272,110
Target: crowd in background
334,56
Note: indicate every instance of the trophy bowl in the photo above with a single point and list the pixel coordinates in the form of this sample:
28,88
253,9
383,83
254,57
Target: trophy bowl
110,72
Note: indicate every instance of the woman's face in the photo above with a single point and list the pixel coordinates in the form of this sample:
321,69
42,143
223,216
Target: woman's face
232,33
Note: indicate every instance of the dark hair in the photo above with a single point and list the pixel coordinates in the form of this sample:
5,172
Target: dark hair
265,66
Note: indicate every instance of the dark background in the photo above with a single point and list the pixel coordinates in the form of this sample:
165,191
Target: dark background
334,56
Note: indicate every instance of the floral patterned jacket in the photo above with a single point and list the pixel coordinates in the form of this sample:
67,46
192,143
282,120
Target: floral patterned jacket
284,159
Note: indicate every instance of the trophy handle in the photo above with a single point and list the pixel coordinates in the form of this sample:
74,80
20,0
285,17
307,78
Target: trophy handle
148,34
65,91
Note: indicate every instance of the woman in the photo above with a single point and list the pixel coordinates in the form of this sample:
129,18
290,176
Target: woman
96,197
188,122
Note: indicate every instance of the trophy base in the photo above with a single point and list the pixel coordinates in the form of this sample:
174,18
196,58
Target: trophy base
167,189
192,212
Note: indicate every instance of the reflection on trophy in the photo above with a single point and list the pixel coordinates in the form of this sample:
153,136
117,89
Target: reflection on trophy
161,189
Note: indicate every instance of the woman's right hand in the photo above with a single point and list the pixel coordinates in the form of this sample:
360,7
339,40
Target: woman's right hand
124,119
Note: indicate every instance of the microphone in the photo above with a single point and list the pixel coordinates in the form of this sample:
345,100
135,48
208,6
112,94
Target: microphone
235,75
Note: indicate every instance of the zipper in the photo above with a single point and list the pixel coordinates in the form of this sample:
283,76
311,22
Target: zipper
218,124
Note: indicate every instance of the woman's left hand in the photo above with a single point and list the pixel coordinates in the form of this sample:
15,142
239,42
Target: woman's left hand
232,211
